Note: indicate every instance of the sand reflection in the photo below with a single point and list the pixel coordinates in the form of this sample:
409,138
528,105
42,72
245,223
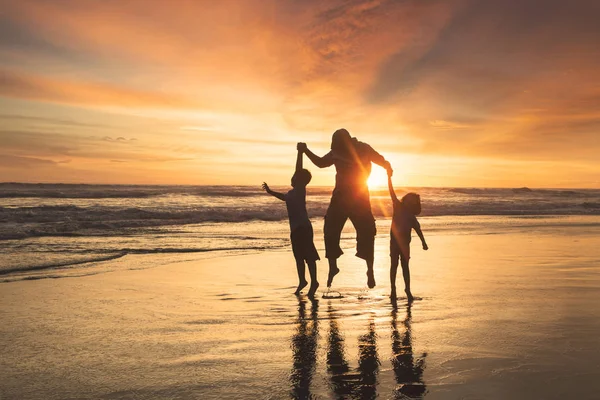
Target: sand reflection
304,349
345,381
407,370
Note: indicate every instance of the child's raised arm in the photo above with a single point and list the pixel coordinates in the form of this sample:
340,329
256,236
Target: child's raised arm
391,188
267,189
299,160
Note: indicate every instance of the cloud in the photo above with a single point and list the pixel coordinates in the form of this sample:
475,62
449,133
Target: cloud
17,36
11,161
119,139
32,87
506,42
449,125
82,149
509,79
51,121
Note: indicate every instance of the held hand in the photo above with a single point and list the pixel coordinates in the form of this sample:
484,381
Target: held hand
301,147
389,169
265,187
425,247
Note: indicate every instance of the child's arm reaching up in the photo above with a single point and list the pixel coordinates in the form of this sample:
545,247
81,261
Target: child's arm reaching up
267,189
420,233
391,188
299,159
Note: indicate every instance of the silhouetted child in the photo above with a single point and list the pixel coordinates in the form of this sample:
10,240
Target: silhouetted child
403,222
300,226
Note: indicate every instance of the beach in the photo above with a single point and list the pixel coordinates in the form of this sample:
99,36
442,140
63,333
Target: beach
166,168
501,312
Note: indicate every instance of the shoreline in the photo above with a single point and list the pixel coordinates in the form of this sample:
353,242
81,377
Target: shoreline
435,225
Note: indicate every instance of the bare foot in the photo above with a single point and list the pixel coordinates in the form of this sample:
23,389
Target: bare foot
370,280
313,289
301,286
409,295
332,272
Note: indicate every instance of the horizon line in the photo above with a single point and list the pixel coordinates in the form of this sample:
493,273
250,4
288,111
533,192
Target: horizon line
384,187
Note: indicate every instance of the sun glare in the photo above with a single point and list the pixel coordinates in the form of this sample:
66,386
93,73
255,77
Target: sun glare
378,178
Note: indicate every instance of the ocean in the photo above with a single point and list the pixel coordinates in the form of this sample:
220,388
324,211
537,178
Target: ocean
56,230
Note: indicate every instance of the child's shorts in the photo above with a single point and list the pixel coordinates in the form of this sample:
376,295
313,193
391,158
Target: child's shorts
303,246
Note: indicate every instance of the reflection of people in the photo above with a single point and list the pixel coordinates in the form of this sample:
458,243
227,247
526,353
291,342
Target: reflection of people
350,198
337,366
301,235
407,370
368,363
403,222
304,347
346,384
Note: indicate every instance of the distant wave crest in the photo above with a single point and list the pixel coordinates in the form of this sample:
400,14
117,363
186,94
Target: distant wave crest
84,212
73,191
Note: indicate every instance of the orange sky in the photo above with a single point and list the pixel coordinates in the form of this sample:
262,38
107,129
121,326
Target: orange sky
494,93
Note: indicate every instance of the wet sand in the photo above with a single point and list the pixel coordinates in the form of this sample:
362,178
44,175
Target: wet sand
514,315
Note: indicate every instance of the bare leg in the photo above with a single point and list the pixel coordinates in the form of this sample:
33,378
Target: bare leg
333,270
406,275
393,272
364,223
314,284
335,219
370,274
301,276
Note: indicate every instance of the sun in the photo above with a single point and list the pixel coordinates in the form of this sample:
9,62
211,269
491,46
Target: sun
378,178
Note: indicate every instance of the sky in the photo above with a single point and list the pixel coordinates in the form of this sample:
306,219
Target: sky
471,93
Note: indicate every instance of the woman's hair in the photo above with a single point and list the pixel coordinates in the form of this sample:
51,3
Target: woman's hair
412,202
341,140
